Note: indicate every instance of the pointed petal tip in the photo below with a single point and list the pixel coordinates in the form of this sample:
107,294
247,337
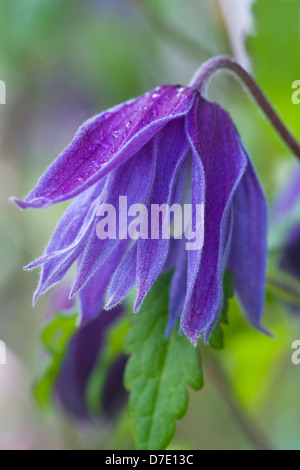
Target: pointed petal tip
264,330
192,336
168,331
110,305
77,285
28,267
32,265
73,292
41,260
142,292
17,202
36,203
138,301
35,297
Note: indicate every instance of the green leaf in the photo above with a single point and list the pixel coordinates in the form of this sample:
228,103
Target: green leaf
158,371
275,37
216,339
55,337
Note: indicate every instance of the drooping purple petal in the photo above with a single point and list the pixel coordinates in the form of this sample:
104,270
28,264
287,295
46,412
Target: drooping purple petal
73,226
248,255
123,280
228,224
178,286
132,180
64,248
171,149
177,255
197,196
214,139
105,142
53,270
92,294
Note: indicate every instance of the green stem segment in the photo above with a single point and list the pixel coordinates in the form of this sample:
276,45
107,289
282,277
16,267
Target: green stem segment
204,73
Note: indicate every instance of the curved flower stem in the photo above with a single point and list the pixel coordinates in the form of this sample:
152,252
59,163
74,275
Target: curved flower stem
254,433
204,73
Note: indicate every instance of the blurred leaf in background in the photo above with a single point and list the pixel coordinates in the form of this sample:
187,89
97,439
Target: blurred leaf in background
273,47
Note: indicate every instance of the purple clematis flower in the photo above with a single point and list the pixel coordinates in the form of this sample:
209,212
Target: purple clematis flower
148,149
83,354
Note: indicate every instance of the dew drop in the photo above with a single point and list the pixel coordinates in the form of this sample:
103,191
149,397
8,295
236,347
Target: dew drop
116,134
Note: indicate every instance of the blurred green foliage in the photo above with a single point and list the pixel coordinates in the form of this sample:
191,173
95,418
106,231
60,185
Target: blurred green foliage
273,47
55,338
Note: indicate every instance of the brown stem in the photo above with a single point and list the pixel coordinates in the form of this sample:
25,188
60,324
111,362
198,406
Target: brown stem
205,72
254,433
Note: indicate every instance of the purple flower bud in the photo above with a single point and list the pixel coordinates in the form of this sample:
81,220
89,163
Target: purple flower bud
83,353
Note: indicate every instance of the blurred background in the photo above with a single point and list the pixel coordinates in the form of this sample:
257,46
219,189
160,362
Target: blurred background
62,62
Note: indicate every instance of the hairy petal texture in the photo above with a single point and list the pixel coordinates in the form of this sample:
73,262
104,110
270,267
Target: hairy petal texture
177,256
124,278
178,284
215,141
73,226
106,141
92,294
248,255
68,240
228,224
171,148
132,180
197,197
